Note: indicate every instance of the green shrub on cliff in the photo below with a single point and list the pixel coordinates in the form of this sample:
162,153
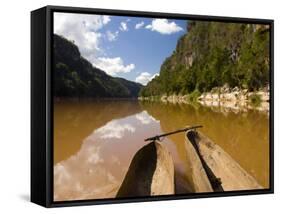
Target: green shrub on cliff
255,99
192,97
212,54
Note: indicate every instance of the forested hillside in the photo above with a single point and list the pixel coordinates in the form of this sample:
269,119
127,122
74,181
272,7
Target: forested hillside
214,54
74,76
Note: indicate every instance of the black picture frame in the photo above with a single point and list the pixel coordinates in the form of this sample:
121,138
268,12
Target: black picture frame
42,105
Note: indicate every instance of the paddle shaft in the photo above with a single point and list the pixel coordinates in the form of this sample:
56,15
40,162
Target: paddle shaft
157,137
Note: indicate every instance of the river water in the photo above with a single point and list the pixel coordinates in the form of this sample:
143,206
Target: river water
94,142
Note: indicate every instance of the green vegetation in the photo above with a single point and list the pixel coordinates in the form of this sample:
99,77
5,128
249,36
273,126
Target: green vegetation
255,99
74,76
193,96
212,54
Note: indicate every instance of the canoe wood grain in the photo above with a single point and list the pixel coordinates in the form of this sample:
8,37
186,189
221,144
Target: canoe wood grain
151,172
222,165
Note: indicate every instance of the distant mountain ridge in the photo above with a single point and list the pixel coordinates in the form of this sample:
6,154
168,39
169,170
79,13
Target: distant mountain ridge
74,76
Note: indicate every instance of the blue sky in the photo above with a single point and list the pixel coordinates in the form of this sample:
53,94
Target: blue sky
130,47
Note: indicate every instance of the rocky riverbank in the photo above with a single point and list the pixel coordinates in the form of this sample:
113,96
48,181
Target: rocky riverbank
234,99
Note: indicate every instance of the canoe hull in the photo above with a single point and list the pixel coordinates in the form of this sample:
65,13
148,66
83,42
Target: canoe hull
198,177
232,176
151,172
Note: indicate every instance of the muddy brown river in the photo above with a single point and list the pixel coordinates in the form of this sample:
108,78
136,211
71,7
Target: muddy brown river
94,142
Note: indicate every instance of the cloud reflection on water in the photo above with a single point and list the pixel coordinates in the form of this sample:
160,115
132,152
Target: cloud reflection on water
97,169
145,118
114,130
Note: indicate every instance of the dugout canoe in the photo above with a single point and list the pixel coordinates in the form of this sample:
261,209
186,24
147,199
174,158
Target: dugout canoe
197,176
151,172
223,172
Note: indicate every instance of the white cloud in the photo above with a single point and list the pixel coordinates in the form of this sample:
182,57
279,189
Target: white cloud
154,75
114,130
105,19
139,25
163,26
112,36
113,66
145,77
123,26
83,29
